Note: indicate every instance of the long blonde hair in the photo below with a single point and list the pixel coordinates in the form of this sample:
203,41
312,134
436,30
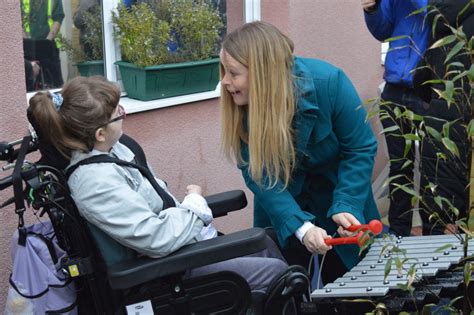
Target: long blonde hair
268,55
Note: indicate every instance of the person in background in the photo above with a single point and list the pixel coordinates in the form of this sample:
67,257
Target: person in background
32,71
297,130
79,22
451,176
41,21
394,19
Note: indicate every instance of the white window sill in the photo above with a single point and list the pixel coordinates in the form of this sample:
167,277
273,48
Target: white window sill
134,106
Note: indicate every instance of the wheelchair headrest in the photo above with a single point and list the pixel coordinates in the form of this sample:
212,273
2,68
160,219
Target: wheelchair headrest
49,154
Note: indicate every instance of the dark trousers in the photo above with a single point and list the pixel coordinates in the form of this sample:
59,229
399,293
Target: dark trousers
332,268
443,176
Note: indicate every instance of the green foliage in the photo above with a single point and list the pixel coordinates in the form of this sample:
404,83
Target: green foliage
196,26
454,86
73,52
93,32
143,38
146,29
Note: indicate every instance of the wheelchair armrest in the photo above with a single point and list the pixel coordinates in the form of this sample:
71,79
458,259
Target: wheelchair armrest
223,203
127,274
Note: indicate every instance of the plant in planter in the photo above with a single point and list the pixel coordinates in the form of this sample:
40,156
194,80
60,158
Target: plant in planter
448,75
88,56
167,48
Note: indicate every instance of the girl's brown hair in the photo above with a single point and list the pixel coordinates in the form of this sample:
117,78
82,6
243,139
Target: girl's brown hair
88,103
268,55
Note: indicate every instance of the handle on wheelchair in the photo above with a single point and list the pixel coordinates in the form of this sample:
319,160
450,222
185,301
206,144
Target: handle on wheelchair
6,150
9,153
6,182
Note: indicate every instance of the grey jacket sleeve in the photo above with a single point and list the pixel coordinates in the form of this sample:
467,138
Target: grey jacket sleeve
128,213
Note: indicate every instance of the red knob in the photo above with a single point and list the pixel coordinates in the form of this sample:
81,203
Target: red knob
374,226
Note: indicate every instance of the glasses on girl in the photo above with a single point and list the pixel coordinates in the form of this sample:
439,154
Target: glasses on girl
121,115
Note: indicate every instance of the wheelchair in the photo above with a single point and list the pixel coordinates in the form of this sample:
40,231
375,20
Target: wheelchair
106,285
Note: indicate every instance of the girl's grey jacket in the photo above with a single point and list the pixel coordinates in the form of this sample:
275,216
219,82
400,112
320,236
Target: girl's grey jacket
122,203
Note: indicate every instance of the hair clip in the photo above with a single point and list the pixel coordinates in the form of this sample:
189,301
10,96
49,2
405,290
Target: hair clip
57,100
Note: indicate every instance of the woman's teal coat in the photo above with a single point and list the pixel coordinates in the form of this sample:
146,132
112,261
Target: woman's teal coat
335,157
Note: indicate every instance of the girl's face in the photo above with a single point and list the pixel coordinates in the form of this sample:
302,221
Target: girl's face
111,132
235,79
115,124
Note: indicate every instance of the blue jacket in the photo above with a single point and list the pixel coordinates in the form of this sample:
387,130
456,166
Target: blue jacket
335,156
391,19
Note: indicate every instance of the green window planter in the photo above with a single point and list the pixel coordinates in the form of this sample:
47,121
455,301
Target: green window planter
90,68
168,80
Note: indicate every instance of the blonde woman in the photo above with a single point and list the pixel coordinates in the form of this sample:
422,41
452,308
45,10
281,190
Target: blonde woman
297,131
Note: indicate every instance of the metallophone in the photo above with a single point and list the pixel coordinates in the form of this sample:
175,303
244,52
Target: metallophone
436,274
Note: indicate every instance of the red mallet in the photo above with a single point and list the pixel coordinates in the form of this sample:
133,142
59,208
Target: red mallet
374,226
345,240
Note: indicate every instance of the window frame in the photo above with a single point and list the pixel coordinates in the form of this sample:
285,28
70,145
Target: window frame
251,11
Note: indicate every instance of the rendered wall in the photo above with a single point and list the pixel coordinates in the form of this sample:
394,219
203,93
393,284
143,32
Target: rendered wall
12,118
334,31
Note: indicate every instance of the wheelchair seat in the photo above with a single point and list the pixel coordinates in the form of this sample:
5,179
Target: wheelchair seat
108,285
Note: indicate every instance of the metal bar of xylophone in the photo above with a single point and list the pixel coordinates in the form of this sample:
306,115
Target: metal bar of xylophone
436,275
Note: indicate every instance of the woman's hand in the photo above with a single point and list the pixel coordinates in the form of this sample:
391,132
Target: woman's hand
313,240
196,189
344,220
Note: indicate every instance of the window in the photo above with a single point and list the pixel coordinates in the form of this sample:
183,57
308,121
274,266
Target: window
238,12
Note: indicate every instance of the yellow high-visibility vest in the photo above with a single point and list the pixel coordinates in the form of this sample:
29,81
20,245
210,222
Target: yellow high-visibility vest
26,11
26,19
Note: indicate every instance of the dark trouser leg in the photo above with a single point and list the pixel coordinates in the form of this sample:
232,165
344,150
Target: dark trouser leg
400,214
332,268
296,253
257,269
449,174
57,75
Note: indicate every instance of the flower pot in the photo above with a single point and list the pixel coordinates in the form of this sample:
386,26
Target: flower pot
168,80
90,68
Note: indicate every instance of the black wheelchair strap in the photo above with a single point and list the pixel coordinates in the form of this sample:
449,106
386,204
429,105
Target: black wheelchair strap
17,179
49,244
168,201
137,150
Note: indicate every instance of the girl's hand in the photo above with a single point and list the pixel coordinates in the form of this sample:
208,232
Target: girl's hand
193,189
344,220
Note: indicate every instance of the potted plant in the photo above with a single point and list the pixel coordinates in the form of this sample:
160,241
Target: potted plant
88,55
168,48
451,83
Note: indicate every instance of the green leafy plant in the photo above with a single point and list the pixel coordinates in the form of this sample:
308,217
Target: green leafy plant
196,26
147,30
453,86
143,38
92,38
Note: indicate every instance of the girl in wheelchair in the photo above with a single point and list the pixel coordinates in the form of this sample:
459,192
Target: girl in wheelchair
85,121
